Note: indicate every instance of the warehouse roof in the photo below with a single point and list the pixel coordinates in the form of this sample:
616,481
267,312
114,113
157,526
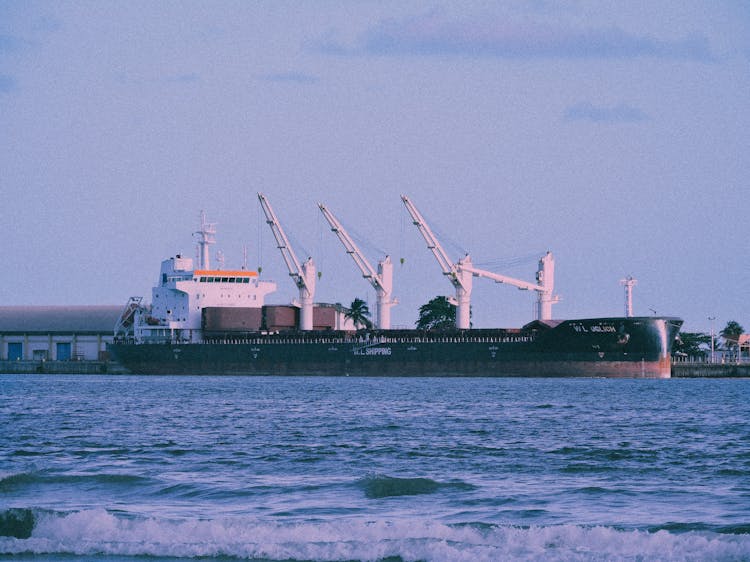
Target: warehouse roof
59,319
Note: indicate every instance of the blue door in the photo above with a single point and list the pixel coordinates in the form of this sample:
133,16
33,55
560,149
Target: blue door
15,351
63,351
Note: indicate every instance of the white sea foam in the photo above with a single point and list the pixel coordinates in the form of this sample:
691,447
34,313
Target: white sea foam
100,532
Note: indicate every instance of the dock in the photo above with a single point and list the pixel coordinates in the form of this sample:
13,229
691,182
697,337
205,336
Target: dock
702,370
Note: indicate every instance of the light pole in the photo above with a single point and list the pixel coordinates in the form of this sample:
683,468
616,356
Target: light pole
712,318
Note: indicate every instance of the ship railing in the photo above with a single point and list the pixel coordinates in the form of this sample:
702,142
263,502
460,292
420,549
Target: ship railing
358,339
719,359
501,336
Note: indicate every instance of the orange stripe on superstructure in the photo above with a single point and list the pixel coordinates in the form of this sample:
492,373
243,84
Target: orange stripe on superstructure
225,273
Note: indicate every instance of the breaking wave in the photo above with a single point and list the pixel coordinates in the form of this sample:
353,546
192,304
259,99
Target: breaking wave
102,533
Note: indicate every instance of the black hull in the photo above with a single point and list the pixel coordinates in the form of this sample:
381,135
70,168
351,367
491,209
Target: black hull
606,347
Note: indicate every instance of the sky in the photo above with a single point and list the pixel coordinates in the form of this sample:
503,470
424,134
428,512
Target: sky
613,134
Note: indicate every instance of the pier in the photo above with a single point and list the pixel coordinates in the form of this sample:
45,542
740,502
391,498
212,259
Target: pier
684,370
62,367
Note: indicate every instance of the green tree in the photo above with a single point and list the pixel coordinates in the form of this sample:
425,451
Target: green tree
690,343
437,314
731,333
359,313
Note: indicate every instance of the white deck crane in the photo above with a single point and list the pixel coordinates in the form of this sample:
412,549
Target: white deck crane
457,273
303,275
461,272
382,281
545,277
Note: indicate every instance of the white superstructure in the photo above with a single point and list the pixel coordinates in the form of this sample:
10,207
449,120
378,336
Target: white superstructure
182,292
193,304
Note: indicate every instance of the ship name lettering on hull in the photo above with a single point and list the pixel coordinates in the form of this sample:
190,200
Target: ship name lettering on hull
373,351
595,329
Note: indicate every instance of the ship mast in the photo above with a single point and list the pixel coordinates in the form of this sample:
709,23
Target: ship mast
629,283
382,281
302,275
207,236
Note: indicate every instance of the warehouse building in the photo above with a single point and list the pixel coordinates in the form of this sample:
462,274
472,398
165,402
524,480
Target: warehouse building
56,333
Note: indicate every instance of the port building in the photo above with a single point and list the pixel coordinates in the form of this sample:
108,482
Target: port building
81,333
56,333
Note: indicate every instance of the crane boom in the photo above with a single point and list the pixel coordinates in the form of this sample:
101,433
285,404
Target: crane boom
448,267
461,273
545,284
368,272
382,281
302,275
460,279
497,278
282,242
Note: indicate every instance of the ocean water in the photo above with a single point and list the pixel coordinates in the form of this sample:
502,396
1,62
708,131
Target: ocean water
106,468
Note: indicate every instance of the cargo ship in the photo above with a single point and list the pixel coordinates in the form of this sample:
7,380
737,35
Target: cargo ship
212,321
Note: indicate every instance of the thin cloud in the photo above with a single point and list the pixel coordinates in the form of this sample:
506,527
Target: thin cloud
7,84
293,77
184,78
9,43
621,113
434,35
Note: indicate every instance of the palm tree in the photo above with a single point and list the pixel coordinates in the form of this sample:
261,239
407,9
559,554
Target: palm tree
359,313
731,333
691,344
437,314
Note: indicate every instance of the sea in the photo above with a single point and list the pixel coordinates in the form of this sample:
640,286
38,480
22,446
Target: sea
173,468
